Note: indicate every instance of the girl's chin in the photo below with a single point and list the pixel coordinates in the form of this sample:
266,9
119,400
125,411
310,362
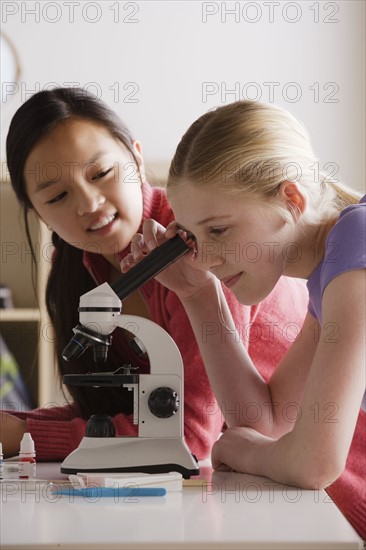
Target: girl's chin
106,247
248,298
110,254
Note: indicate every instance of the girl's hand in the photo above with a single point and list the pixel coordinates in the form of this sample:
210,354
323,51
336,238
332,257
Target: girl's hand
12,430
242,450
184,276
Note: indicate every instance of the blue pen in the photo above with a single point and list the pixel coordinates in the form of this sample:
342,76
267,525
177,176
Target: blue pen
97,492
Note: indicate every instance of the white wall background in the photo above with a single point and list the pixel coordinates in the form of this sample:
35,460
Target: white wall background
151,61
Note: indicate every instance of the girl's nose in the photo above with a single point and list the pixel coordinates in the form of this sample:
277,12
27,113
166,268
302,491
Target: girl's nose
88,201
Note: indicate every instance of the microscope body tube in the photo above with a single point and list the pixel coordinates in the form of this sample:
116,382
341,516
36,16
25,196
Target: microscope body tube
155,262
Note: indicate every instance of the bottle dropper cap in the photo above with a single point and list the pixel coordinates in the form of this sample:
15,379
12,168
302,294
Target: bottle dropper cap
27,444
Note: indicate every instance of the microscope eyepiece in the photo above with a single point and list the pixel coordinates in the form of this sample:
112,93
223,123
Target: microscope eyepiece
84,338
160,258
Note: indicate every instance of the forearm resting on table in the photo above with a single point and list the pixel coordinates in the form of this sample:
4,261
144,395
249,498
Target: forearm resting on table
233,377
286,460
299,463
12,430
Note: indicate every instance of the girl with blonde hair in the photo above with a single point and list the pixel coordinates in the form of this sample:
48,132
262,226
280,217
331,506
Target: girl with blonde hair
243,183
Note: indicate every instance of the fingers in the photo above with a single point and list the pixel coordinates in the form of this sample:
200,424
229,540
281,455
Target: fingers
137,247
153,234
218,459
217,464
172,229
222,468
138,251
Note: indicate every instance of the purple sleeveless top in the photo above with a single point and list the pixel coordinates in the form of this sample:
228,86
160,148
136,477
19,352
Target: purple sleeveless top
345,250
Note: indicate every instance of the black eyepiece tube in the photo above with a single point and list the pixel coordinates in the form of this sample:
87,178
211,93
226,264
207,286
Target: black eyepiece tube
160,258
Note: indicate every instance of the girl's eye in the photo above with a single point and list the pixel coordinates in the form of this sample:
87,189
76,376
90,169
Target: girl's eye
102,174
217,230
57,198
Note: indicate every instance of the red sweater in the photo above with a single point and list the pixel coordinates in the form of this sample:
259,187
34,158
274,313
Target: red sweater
268,330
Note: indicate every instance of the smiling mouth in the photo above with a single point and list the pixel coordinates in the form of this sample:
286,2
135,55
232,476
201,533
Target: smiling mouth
230,281
106,221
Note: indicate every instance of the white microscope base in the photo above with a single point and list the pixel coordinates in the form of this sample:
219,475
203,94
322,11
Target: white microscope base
131,454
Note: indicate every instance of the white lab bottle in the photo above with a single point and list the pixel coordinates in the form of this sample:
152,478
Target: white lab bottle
1,462
27,460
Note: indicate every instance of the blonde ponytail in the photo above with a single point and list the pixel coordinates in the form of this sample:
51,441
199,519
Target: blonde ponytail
248,149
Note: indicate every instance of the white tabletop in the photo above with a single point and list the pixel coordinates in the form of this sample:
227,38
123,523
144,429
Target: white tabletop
232,511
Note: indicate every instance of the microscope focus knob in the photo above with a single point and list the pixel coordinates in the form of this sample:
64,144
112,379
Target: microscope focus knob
100,425
163,402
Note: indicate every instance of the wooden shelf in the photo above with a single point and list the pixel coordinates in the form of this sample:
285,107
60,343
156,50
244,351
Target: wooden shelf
20,315
26,327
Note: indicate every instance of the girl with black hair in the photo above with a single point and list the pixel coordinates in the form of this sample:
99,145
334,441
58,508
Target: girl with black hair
74,163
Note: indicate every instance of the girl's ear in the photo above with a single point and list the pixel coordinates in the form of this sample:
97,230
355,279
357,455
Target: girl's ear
41,219
295,201
137,149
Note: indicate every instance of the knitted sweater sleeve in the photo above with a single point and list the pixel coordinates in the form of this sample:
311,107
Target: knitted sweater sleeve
57,431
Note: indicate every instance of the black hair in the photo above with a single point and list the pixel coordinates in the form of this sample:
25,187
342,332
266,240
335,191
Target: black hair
34,120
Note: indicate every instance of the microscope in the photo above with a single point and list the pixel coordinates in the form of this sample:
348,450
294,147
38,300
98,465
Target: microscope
158,397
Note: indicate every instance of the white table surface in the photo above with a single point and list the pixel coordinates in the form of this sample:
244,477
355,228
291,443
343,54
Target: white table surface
232,511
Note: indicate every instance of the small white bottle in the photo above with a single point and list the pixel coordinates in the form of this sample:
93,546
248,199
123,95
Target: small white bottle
27,460
1,462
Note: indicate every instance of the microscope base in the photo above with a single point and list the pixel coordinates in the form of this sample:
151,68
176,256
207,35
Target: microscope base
131,454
